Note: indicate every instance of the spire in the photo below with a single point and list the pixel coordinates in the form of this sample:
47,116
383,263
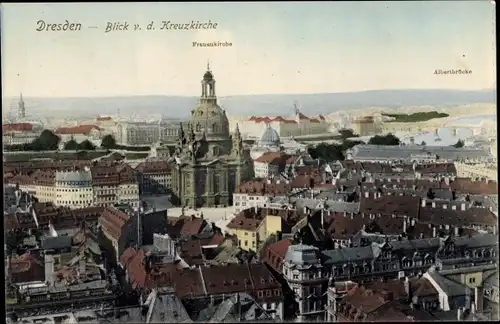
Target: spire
21,97
208,64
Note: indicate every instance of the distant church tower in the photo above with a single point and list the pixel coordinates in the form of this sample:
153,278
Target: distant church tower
21,109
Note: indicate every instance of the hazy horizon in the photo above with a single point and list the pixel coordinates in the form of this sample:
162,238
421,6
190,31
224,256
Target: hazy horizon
277,48
27,96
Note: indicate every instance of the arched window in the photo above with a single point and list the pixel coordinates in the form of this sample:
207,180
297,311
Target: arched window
198,127
214,127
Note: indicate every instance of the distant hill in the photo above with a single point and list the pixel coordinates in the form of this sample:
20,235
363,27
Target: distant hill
311,104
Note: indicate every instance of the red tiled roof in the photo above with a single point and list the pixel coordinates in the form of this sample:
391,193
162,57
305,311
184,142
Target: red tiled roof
104,118
112,221
468,186
17,127
27,267
280,247
81,129
153,167
271,158
391,205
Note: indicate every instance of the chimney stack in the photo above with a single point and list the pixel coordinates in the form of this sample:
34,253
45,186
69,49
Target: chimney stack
456,231
404,225
445,206
408,288
367,194
81,266
433,204
462,206
49,268
424,202
460,314
478,301
434,231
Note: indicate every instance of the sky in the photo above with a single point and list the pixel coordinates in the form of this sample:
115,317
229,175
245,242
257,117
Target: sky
277,48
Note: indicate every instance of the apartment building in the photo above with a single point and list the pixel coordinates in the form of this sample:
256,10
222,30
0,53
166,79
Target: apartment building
113,184
154,177
73,188
254,225
102,184
270,164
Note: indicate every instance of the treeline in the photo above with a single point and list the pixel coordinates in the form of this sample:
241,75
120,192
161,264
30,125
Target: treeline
416,117
334,152
109,143
48,141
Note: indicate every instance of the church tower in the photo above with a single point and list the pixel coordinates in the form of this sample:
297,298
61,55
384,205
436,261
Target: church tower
21,109
208,87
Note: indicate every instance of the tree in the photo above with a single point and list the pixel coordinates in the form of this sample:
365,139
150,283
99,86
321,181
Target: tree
459,144
87,146
47,141
423,143
388,139
347,133
71,145
327,152
108,142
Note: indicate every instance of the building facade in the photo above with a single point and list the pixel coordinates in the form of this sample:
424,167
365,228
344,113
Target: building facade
210,164
307,279
268,142
145,133
74,188
296,125
155,177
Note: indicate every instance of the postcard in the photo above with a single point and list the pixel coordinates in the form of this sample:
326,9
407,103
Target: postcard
250,161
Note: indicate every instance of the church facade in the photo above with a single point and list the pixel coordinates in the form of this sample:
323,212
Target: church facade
210,164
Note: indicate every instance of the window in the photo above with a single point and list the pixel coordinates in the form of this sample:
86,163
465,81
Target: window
472,280
296,276
268,293
260,293
246,243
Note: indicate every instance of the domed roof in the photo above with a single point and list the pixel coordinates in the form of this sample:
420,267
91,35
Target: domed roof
211,119
208,76
269,137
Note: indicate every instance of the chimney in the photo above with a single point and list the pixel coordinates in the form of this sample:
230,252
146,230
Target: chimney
424,202
434,231
454,207
404,225
462,206
473,308
49,268
478,299
408,288
412,222
367,194
460,314
81,267
445,206
456,230
433,204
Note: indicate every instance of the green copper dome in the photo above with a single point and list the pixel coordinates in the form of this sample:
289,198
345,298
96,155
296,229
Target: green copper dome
208,76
